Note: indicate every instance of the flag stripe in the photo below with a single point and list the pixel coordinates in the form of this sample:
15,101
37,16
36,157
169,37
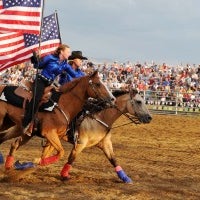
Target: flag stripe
16,48
7,50
8,36
24,29
24,55
13,40
14,22
15,17
10,51
19,17
17,53
33,13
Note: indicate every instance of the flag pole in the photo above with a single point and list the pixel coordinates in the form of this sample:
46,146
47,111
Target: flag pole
57,22
37,56
41,25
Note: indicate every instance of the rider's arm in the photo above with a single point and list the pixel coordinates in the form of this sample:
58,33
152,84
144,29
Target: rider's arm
43,61
71,71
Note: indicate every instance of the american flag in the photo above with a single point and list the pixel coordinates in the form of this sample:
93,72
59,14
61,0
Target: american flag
20,16
16,48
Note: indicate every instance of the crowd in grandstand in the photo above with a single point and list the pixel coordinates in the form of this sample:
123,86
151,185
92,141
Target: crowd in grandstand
166,79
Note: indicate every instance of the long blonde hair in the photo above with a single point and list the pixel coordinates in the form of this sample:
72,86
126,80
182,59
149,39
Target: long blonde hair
62,47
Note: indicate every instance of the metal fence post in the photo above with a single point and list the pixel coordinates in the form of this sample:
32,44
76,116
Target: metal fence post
176,108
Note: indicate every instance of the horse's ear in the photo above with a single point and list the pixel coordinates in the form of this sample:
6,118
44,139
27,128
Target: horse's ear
94,74
133,92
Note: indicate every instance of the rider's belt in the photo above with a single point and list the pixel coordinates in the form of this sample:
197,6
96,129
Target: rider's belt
48,80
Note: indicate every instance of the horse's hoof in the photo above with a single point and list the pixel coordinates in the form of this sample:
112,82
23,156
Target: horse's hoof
131,182
37,161
128,180
65,178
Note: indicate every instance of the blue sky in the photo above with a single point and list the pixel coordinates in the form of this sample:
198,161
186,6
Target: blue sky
135,30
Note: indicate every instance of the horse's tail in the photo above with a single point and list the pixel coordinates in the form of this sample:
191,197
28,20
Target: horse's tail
10,133
6,123
3,136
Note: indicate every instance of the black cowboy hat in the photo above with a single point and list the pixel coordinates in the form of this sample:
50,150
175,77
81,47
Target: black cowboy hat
77,54
90,64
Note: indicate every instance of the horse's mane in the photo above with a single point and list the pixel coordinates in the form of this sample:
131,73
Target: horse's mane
118,93
69,85
96,105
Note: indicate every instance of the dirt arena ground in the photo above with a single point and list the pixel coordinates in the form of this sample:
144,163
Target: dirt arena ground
162,158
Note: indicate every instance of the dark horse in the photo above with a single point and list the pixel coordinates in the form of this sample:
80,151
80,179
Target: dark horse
52,125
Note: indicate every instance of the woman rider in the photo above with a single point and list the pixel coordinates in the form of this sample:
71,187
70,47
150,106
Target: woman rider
75,61
51,66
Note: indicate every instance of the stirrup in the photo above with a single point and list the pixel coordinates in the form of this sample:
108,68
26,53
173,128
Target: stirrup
76,138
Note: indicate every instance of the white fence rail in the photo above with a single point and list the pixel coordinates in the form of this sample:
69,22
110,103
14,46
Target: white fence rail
162,102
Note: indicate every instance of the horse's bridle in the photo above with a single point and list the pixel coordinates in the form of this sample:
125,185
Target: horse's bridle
132,119
93,86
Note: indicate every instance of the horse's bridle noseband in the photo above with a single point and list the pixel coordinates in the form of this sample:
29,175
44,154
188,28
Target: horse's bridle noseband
94,87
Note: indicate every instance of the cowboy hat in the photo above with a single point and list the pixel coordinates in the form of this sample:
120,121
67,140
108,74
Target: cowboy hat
90,64
77,54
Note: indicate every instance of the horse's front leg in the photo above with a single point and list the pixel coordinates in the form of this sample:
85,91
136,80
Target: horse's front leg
14,147
68,166
53,142
106,146
8,134
47,152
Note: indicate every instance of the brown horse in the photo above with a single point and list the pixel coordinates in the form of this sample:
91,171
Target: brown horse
95,130
53,125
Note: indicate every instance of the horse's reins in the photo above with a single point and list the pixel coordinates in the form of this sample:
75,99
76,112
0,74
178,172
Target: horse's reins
133,120
93,88
61,110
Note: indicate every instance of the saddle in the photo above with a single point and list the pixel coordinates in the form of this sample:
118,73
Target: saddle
20,95
25,91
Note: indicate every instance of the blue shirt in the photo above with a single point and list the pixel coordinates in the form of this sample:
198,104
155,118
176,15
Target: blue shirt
51,67
66,77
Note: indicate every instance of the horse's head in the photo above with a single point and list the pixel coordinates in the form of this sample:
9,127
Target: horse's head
97,89
136,106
